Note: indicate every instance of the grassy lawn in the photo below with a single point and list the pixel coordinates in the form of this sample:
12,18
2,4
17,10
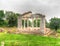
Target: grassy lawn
27,40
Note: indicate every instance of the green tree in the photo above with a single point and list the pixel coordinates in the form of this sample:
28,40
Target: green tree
2,17
11,18
54,23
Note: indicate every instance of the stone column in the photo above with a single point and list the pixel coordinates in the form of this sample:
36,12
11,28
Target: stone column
32,23
42,25
19,22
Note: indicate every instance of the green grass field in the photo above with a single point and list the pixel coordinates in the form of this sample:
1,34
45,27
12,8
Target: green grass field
27,40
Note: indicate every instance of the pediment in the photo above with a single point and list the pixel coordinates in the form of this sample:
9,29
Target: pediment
29,14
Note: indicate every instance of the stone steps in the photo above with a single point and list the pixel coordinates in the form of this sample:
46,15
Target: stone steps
48,33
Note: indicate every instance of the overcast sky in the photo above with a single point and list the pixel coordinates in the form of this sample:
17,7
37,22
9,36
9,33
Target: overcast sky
50,8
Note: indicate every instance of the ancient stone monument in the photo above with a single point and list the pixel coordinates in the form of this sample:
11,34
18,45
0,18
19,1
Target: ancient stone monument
31,17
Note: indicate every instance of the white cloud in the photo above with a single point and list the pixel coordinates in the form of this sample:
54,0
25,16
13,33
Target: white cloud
50,8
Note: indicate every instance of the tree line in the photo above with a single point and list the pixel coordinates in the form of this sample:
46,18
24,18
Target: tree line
8,19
